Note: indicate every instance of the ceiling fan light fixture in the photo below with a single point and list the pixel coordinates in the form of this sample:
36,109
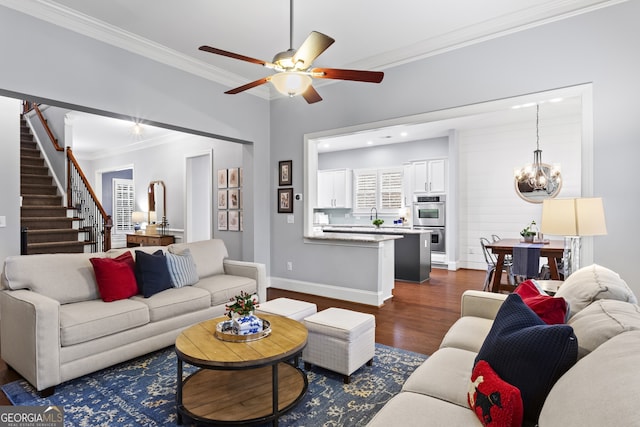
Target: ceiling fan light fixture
291,83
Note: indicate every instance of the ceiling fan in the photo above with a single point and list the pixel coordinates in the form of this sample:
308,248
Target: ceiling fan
293,67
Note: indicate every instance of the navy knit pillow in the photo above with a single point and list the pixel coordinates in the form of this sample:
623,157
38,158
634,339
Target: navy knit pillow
152,273
527,353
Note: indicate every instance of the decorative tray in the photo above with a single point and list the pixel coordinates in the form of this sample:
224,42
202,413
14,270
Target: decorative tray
224,332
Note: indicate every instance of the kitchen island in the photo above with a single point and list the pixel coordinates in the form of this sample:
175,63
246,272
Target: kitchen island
372,285
412,257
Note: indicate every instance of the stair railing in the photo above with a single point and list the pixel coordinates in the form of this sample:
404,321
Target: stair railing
80,196
26,106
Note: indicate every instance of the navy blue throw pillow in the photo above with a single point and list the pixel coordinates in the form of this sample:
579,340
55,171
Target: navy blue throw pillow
152,273
527,353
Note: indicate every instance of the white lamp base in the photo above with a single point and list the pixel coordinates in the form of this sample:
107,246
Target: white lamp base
572,246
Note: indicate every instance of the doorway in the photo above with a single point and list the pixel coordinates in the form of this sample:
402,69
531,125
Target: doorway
198,217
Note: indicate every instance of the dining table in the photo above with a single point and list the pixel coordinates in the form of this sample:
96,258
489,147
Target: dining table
553,250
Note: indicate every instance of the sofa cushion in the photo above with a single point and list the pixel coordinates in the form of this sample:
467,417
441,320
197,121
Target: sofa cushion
600,390
527,353
593,283
467,333
601,321
551,310
66,278
182,269
494,401
444,375
174,302
224,287
408,409
207,254
115,277
116,252
88,320
152,273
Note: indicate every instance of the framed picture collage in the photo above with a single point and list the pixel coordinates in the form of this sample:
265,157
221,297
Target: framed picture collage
285,195
229,182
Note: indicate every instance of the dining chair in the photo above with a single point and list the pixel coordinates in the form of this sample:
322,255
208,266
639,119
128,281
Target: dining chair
491,261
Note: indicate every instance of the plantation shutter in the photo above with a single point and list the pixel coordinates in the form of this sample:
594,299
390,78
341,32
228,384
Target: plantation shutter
366,183
391,189
123,203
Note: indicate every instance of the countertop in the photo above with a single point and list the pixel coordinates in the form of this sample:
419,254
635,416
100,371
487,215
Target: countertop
374,230
355,237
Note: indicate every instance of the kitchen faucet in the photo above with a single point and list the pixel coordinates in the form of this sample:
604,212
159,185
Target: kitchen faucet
371,213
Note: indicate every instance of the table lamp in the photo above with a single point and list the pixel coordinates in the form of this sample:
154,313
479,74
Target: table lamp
138,217
573,218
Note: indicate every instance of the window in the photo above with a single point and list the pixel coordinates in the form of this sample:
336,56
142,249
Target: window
366,183
123,203
378,188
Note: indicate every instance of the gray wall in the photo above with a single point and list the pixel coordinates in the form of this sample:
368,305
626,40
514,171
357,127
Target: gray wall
63,68
384,155
599,47
107,187
10,176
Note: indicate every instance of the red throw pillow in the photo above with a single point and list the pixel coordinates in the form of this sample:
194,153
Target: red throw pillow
115,276
495,402
552,310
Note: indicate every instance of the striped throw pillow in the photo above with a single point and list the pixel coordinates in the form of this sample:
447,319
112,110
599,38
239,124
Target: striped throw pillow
182,269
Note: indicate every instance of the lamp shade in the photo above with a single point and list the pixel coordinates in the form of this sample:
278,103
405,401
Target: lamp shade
573,217
138,217
290,83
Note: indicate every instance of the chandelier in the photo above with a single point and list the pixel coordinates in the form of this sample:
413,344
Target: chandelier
538,178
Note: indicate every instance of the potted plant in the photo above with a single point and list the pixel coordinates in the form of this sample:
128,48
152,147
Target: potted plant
378,222
529,232
243,305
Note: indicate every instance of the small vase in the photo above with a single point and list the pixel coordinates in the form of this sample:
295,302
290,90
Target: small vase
529,239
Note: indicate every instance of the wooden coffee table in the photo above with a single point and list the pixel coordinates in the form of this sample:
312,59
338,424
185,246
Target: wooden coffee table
240,382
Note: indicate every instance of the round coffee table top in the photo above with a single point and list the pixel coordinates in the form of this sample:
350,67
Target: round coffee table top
198,345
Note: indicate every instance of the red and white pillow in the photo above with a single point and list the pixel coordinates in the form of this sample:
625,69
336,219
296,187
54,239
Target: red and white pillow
495,402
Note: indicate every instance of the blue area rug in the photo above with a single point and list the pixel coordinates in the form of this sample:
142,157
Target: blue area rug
141,392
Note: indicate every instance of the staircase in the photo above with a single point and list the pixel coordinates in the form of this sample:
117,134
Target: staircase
49,229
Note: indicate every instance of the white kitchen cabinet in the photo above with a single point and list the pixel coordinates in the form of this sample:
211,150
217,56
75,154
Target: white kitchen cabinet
429,176
437,178
334,188
407,183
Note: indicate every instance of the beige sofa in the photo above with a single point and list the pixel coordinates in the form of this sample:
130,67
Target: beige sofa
600,389
55,326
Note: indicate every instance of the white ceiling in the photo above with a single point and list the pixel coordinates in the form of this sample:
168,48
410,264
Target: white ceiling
369,34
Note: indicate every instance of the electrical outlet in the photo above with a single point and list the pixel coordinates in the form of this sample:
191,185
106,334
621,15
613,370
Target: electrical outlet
289,266
3,221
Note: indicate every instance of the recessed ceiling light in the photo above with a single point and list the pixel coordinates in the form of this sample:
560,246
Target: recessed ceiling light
326,145
556,100
369,142
404,134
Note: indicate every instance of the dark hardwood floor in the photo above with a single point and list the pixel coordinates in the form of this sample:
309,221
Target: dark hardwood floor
415,319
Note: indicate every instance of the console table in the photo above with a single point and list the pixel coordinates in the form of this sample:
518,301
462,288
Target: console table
134,240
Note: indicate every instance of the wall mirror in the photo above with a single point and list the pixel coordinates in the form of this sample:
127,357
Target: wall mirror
157,203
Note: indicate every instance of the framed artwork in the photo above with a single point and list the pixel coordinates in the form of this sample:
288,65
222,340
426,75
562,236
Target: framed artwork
234,220
222,178
233,201
240,176
222,199
222,220
284,172
285,200
241,221
233,177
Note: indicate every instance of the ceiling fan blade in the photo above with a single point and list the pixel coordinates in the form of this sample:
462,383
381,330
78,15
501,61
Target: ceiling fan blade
234,55
247,86
311,95
311,48
356,75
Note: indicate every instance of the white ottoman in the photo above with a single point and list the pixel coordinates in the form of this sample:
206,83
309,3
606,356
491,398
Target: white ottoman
340,340
291,308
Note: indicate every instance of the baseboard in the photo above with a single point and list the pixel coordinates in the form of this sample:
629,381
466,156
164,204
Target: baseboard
329,291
